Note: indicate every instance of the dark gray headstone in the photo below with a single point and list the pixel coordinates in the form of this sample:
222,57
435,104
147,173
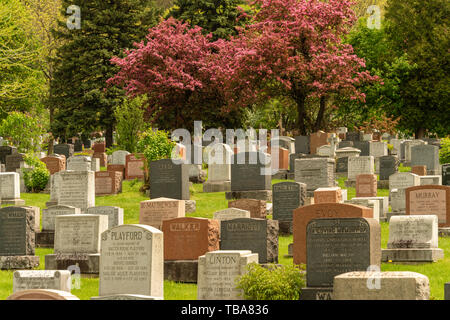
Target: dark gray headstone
5,151
446,174
403,149
364,146
426,155
342,165
17,234
340,245
13,161
169,180
302,144
287,196
66,149
87,143
294,156
345,144
388,166
246,175
447,291
354,136
258,235
78,146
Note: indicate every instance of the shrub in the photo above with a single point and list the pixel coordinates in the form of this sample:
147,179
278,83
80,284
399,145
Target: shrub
276,283
444,153
155,145
37,177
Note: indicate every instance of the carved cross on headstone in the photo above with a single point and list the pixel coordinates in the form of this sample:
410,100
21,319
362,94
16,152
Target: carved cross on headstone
333,140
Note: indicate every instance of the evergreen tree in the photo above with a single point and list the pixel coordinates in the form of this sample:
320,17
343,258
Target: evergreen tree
82,66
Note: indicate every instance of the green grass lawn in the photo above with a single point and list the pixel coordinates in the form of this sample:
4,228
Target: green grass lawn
207,203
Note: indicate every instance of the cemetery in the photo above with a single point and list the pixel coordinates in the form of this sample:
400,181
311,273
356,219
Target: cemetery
202,165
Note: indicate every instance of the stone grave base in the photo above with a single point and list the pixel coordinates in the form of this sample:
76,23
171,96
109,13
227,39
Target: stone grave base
51,203
190,206
285,227
444,232
14,202
18,262
217,186
45,239
126,297
88,263
290,176
412,255
281,174
390,214
181,270
290,254
254,194
315,293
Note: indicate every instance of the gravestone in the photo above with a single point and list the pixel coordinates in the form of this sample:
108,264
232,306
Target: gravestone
295,156
12,162
17,238
430,180
285,142
42,294
286,197
119,157
77,242
46,237
354,136
360,165
342,165
134,166
338,245
413,239
347,152
230,214
108,182
114,214
42,279
283,159
251,176
378,149
55,163
427,155
76,188
79,163
364,146
218,272
429,199
257,235
346,144
419,170
446,174
218,157
409,144
366,185
388,166
189,238
302,144
367,137
131,262
99,147
396,285
315,172
117,168
154,212
303,215
102,157
78,146
256,207
383,204
328,195
169,180
372,204
10,188
5,151
317,140
65,149
95,164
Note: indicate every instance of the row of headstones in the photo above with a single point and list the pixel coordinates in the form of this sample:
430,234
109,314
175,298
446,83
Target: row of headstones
130,257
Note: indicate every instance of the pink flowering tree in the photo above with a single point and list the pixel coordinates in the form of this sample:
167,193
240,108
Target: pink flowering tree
293,49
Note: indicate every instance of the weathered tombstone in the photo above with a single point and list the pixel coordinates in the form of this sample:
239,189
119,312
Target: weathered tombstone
5,151
99,147
108,182
338,245
119,157
413,239
388,166
354,136
257,235
42,279
117,168
317,140
367,137
10,188
366,185
347,152
65,149
342,165
169,180
372,204
433,180
76,188
134,166
395,285
250,176
346,144
286,197
427,155
114,214
315,172
131,263
230,214
409,144
17,238
364,146
419,170
12,161
285,142
378,149
45,238
360,165
303,215
256,207
55,163
95,164
328,195
79,163
429,199
77,241
78,146
218,272
42,294
446,174
218,157
283,159
302,144
154,212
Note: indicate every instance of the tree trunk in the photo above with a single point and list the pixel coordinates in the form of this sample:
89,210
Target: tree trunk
51,142
319,120
109,136
300,99
420,133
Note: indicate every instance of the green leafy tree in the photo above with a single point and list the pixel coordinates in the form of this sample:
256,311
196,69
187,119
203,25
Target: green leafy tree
83,63
420,30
